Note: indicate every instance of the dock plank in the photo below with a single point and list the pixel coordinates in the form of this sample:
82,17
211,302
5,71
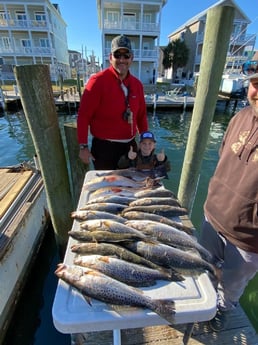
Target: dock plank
11,185
239,331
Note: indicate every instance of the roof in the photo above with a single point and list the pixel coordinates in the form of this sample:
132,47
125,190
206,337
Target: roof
203,14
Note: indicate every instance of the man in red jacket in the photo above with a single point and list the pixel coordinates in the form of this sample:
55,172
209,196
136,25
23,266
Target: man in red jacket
230,229
113,109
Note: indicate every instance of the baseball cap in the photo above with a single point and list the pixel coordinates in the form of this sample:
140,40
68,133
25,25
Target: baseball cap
121,42
147,135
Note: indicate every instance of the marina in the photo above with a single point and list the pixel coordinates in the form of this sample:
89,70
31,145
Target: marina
172,129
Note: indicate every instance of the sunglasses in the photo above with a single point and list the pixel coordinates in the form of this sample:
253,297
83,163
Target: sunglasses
118,55
250,67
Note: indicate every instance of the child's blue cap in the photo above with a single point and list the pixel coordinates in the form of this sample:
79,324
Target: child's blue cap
147,135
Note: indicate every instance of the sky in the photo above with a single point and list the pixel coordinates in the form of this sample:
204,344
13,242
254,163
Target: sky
83,33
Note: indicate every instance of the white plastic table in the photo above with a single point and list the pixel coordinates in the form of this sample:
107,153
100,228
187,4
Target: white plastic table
195,300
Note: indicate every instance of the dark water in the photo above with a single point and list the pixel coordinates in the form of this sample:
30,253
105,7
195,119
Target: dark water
32,324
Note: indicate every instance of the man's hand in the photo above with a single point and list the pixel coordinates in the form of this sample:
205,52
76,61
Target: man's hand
131,154
85,156
161,156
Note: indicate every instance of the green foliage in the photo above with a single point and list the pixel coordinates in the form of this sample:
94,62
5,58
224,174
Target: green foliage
176,55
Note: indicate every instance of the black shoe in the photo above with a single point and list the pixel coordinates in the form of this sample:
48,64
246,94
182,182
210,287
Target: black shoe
219,322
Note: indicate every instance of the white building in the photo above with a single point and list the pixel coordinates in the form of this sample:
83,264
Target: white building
241,45
33,32
140,21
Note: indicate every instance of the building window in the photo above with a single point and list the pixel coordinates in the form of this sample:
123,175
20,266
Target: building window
129,20
21,18
40,16
44,42
6,43
26,44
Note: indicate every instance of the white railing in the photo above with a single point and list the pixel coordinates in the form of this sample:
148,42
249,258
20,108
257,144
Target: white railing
40,51
120,25
21,24
139,54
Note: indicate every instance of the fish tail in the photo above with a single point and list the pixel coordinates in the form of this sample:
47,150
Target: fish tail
166,309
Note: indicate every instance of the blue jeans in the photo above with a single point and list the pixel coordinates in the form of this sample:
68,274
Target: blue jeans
237,266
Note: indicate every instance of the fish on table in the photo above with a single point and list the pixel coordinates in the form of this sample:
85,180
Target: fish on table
111,191
155,192
124,271
102,236
183,261
94,284
82,215
162,210
134,215
114,181
149,201
109,225
104,206
117,199
111,249
169,235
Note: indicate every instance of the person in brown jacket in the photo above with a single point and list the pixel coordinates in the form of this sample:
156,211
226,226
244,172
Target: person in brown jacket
230,228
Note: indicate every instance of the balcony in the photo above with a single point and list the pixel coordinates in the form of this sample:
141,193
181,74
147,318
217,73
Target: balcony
13,24
243,40
27,51
144,54
131,26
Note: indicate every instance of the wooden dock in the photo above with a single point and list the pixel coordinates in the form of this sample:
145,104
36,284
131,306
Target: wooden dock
239,331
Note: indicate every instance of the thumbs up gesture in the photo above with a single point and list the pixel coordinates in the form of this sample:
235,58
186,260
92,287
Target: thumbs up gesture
131,154
161,156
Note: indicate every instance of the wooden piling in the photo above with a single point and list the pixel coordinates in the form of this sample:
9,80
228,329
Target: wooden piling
77,168
38,103
216,40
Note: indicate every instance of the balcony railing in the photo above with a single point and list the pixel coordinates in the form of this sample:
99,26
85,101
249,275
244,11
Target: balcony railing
22,24
35,51
239,40
139,26
242,40
139,54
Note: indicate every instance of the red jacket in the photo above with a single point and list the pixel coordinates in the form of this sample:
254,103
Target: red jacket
103,104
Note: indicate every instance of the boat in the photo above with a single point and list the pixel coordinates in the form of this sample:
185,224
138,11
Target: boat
23,218
233,85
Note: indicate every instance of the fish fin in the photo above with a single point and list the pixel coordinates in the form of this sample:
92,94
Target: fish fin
88,300
104,259
166,309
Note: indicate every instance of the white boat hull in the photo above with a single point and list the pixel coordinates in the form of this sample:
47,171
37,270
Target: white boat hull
19,242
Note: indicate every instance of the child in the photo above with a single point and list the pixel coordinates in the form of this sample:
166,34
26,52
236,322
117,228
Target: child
145,158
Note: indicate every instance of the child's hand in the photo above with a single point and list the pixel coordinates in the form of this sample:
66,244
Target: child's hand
161,156
131,154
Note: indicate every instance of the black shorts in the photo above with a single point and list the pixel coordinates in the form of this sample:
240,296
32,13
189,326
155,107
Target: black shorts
107,153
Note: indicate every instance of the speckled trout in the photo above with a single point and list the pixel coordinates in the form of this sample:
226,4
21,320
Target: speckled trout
111,226
112,249
124,271
104,206
154,201
94,284
134,215
155,192
169,235
162,210
181,260
102,236
113,180
82,215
